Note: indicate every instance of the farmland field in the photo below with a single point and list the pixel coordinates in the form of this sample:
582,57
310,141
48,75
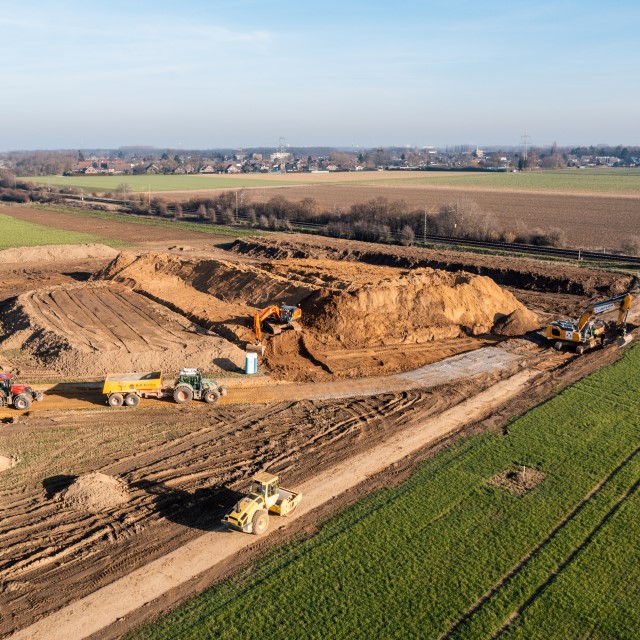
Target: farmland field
20,233
610,181
552,556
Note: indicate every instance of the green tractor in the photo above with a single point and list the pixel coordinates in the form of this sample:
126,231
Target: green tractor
191,385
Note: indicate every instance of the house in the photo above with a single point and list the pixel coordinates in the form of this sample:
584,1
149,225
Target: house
207,169
232,168
152,168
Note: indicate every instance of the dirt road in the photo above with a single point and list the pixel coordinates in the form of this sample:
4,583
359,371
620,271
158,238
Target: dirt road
105,606
487,360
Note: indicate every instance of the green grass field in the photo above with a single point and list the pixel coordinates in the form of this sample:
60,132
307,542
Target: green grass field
448,555
153,183
623,181
16,233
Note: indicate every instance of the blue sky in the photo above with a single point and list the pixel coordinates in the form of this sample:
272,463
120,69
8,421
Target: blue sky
242,73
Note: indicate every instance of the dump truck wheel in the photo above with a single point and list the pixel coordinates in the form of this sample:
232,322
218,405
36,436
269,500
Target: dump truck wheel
260,522
132,400
115,400
182,395
21,402
211,396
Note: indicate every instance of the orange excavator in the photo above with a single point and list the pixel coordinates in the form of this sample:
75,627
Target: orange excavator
275,318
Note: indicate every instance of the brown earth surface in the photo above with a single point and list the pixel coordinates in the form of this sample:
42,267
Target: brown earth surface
184,465
92,329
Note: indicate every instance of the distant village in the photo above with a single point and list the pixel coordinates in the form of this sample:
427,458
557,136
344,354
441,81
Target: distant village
301,160
291,162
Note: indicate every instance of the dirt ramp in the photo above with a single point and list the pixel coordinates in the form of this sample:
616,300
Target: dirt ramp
422,306
57,253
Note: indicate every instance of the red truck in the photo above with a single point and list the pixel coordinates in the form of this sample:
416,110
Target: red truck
19,395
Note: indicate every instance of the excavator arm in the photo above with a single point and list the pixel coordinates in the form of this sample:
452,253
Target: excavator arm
623,303
261,316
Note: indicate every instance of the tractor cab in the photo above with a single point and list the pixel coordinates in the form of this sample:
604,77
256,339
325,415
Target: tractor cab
191,376
5,382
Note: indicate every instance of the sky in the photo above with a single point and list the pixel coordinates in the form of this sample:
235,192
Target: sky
243,73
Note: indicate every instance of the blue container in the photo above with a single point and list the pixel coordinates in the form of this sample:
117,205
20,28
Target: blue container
251,363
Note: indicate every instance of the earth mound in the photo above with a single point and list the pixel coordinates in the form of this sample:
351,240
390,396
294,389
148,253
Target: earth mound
95,493
98,328
8,462
57,253
517,323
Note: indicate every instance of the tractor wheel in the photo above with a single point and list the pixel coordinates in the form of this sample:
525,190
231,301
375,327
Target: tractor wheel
115,400
211,396
183,394
580,349
132,399
260,522
21,402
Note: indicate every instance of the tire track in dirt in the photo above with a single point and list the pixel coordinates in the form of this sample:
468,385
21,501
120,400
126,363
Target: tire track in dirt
110,603
183,486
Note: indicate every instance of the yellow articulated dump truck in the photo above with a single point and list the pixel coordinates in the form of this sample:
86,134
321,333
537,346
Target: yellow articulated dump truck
128,388
251,513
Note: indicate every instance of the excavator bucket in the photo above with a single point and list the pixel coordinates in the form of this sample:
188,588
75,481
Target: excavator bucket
624,340
255,348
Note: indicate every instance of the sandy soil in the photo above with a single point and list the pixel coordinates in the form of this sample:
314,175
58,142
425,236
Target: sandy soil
92,329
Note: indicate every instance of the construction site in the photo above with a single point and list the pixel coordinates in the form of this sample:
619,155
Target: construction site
369,359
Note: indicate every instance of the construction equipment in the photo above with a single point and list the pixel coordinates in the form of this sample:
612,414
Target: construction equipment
191,385
20,396
585,333
251,513
128,388
275,318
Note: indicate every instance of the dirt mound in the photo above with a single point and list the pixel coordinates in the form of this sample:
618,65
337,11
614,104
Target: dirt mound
517,323
517,481
420,306
57,253
95,493
89,330
8,462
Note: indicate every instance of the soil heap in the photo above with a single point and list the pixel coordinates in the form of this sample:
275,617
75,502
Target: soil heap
517,323
95,493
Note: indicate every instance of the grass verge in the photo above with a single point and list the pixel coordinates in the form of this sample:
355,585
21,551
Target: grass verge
448,555
17,233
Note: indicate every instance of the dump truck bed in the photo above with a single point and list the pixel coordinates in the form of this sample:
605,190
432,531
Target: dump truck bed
128,382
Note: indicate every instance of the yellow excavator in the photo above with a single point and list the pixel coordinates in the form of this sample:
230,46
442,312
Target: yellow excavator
275,318
251,513
586,333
